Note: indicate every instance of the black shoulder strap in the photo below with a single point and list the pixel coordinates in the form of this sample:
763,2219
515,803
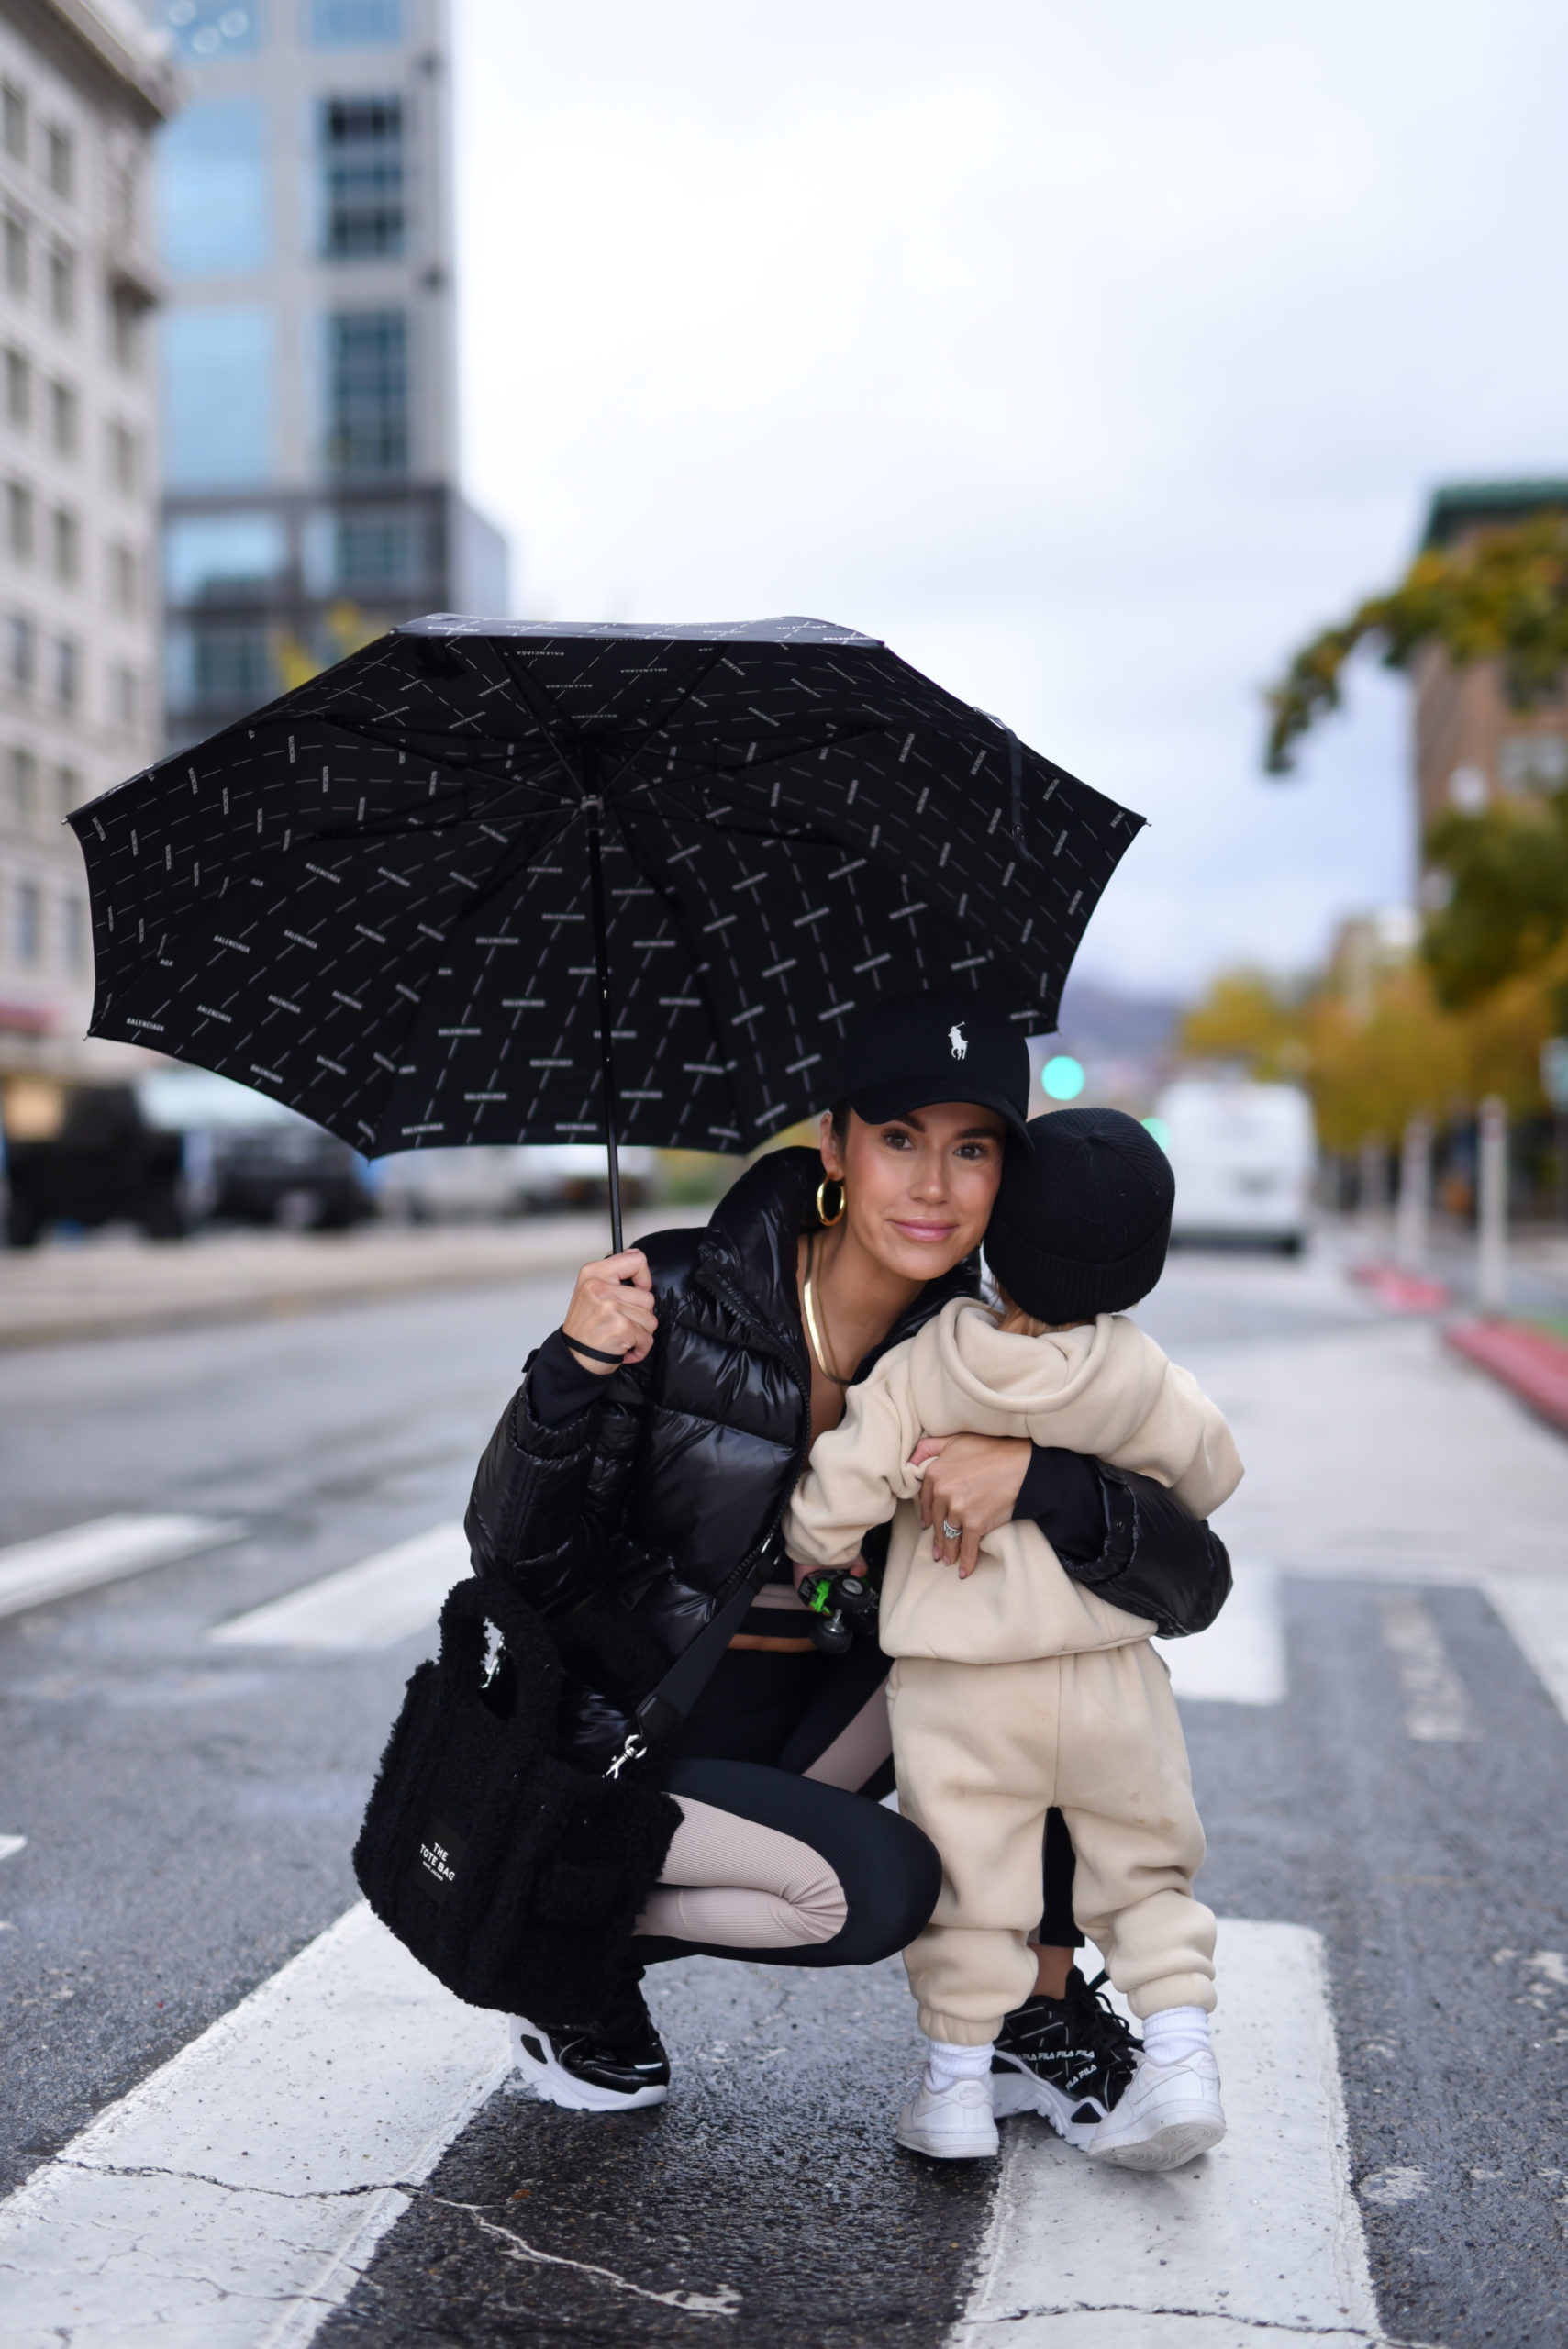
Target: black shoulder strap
666,1707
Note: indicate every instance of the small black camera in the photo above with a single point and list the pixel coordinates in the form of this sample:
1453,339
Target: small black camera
841,1606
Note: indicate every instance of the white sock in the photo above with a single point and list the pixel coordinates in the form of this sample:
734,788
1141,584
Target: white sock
947,2064
1175,2033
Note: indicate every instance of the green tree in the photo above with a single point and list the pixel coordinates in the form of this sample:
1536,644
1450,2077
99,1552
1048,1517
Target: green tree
1499,595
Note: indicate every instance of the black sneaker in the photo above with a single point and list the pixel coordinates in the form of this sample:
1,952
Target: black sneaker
615,2065
1068,2059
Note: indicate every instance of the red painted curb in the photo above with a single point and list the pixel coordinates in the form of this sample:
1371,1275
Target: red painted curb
1529,1363
1402,1292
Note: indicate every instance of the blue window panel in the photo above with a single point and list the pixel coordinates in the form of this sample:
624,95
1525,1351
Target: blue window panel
205,30
221,556
214,189
353,23
219,396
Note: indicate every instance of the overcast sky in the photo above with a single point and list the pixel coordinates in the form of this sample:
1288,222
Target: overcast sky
1091,355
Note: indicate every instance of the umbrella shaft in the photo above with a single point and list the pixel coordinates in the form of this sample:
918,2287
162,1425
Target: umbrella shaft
606,1040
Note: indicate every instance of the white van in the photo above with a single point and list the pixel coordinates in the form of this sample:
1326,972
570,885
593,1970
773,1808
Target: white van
1243,1158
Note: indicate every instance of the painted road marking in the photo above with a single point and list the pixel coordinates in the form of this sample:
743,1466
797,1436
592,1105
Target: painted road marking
1436,1711
1239,1660
1536,1612
373,1605
1261,2240
103,1550
11,1844
233,2200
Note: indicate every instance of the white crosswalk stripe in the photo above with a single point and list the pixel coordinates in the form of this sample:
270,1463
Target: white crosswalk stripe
1536,1611
1239,1660
1261,2240
232,2199
371,1605
10,1844
102,1550
1437,1710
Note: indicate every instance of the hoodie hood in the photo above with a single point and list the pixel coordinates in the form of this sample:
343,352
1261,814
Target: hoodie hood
1086,1389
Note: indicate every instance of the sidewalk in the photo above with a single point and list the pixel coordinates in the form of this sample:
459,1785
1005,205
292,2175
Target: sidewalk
117,1283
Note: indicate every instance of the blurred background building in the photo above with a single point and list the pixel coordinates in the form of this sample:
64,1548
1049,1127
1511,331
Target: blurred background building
1471,746
307,346
81,91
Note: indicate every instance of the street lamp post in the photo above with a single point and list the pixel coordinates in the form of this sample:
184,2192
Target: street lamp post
1492,1219
1415,1192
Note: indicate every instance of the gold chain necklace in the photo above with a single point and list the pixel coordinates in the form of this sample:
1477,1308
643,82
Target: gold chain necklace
817,1349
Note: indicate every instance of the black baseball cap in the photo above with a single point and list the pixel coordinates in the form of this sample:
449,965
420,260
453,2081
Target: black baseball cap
912,1049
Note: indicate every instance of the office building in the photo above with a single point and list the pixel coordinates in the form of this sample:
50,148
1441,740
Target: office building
307,348
1473,747
81,91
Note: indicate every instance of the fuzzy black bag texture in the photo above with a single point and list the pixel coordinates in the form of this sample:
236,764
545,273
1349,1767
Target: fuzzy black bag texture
514,1878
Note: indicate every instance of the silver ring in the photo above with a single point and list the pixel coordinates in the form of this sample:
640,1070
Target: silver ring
953,1532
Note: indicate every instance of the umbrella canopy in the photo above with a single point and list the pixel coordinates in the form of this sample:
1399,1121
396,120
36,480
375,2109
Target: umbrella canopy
417,897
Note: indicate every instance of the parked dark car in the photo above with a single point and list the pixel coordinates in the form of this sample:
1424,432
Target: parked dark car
106,1165
249,1160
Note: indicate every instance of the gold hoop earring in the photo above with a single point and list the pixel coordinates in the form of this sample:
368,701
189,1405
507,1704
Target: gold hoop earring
823,1217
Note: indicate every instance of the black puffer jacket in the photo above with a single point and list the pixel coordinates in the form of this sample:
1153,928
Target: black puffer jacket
664,1494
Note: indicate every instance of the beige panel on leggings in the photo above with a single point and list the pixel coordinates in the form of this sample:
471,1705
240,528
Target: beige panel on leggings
730,1881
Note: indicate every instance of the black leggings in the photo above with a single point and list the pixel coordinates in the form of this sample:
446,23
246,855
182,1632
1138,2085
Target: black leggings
764,1718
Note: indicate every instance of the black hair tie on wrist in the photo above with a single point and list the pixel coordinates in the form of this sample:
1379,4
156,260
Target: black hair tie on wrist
595,1353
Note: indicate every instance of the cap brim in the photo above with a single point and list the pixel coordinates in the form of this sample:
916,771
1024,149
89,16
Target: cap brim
896,1097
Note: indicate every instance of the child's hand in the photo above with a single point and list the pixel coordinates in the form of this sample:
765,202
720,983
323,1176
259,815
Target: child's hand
970,1482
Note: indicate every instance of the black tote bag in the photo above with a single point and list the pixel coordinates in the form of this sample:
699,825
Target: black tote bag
514,1878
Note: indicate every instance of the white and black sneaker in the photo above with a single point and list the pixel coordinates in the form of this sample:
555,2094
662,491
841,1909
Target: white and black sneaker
615,2065
1068,2059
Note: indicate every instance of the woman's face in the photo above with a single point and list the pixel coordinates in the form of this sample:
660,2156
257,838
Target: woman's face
918,1190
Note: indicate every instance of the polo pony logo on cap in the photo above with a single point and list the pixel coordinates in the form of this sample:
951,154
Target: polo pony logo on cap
958,1039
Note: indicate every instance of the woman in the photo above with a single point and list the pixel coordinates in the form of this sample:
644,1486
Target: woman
649,1453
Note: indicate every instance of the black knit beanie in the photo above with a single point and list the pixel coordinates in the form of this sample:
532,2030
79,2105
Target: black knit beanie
1082,1222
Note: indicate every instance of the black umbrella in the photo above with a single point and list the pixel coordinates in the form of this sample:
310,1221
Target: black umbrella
501,881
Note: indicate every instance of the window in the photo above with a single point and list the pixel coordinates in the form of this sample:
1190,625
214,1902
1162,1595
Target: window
64,418
208,28
353,23
67,532
19,388
13,121
214,189
218,557
21,652
231,665
125,331
1529,764
363,140
19,520
122,579
23,778
16,242
67,789
67,673
62,287
76,928
368,392
122,696
29,921
123,454
59,160
219,369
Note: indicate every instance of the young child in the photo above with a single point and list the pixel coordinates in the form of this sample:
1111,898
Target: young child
1019,1688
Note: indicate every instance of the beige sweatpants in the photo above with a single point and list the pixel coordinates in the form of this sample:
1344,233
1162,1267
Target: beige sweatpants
983,1751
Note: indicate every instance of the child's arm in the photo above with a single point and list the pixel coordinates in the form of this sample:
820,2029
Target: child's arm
858,1473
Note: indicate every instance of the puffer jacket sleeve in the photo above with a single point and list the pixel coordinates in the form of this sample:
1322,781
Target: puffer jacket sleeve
548,1503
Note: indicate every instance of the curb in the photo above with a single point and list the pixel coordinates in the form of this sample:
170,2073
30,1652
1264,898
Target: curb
1529,1363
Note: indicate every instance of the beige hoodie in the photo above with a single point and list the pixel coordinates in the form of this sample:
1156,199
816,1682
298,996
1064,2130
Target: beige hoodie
1105,1390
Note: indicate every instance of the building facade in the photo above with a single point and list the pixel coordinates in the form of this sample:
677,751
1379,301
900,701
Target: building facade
1471,746
81,91
307,346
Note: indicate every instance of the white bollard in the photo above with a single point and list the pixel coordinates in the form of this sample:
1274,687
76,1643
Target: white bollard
1415,1195
1492,1212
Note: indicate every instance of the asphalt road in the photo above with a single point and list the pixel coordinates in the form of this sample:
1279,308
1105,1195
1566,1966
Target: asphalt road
189,1814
